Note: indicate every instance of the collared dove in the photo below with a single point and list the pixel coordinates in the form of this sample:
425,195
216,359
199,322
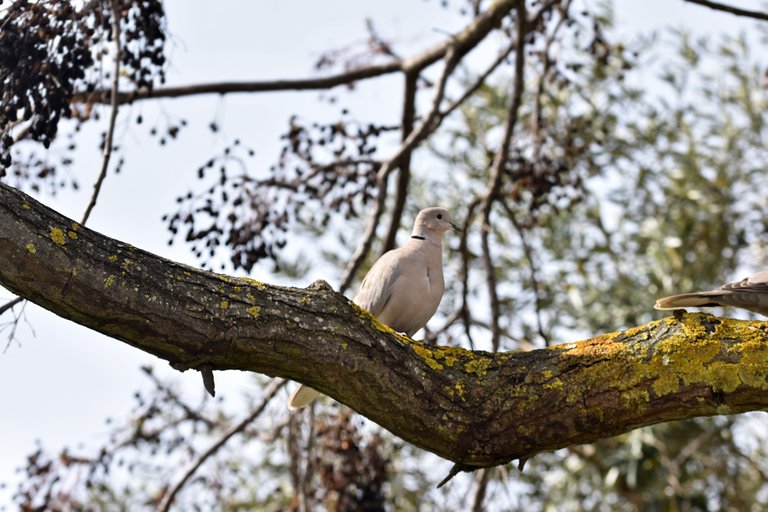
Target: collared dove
750,293
404,287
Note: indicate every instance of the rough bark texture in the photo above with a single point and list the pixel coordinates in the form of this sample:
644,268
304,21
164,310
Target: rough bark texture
475,408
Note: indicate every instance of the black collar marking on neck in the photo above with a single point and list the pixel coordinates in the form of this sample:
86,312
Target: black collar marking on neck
417,237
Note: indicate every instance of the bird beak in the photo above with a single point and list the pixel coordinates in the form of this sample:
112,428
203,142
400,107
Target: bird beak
456,227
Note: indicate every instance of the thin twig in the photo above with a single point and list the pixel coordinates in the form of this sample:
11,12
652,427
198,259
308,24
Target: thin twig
480,80
305,486
759,15
169,395
8,305
15,323
532,264
431,335
107,150
466,316
482,476
275,386
752,461
497,171
10,12
464,312
377,43
339,166
536,118
295,453
493,293
430,123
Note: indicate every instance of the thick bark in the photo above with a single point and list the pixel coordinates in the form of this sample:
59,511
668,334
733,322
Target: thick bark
475,408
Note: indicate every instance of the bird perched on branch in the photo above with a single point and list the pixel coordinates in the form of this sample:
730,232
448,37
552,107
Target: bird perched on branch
404,287
750,293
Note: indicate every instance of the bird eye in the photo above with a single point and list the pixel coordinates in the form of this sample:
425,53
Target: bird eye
439,215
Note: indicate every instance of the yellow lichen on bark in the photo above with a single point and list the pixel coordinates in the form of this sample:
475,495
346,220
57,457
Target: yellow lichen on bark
602,353
248,280
696,354
57,235
478,366
426,355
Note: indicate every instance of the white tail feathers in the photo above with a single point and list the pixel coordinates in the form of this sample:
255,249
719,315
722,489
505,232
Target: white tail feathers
301,397
686,300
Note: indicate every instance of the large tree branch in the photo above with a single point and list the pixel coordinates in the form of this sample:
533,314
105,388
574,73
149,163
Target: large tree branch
475,408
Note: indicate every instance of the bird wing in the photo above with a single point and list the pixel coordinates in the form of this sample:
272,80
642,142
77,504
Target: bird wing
755,283
376,288
750,293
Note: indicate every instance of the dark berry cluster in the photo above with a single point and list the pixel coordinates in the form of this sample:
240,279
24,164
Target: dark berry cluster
51,51
322,170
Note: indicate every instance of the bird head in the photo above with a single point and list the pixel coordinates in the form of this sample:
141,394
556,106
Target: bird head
432,222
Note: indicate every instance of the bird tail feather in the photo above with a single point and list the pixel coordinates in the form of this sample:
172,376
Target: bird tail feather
301,397
697,299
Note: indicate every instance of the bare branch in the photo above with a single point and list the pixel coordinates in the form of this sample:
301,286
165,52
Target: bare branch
305,84
394,225
409,116
378,43
452,49
546,67
275,386
13,324
427,126
532,264
480,80
496,63
107,149
466,316
490,278
9,305
311,464
481,478
497,170
461,43
759,15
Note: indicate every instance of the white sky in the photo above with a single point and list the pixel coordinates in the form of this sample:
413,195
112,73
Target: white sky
63,380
